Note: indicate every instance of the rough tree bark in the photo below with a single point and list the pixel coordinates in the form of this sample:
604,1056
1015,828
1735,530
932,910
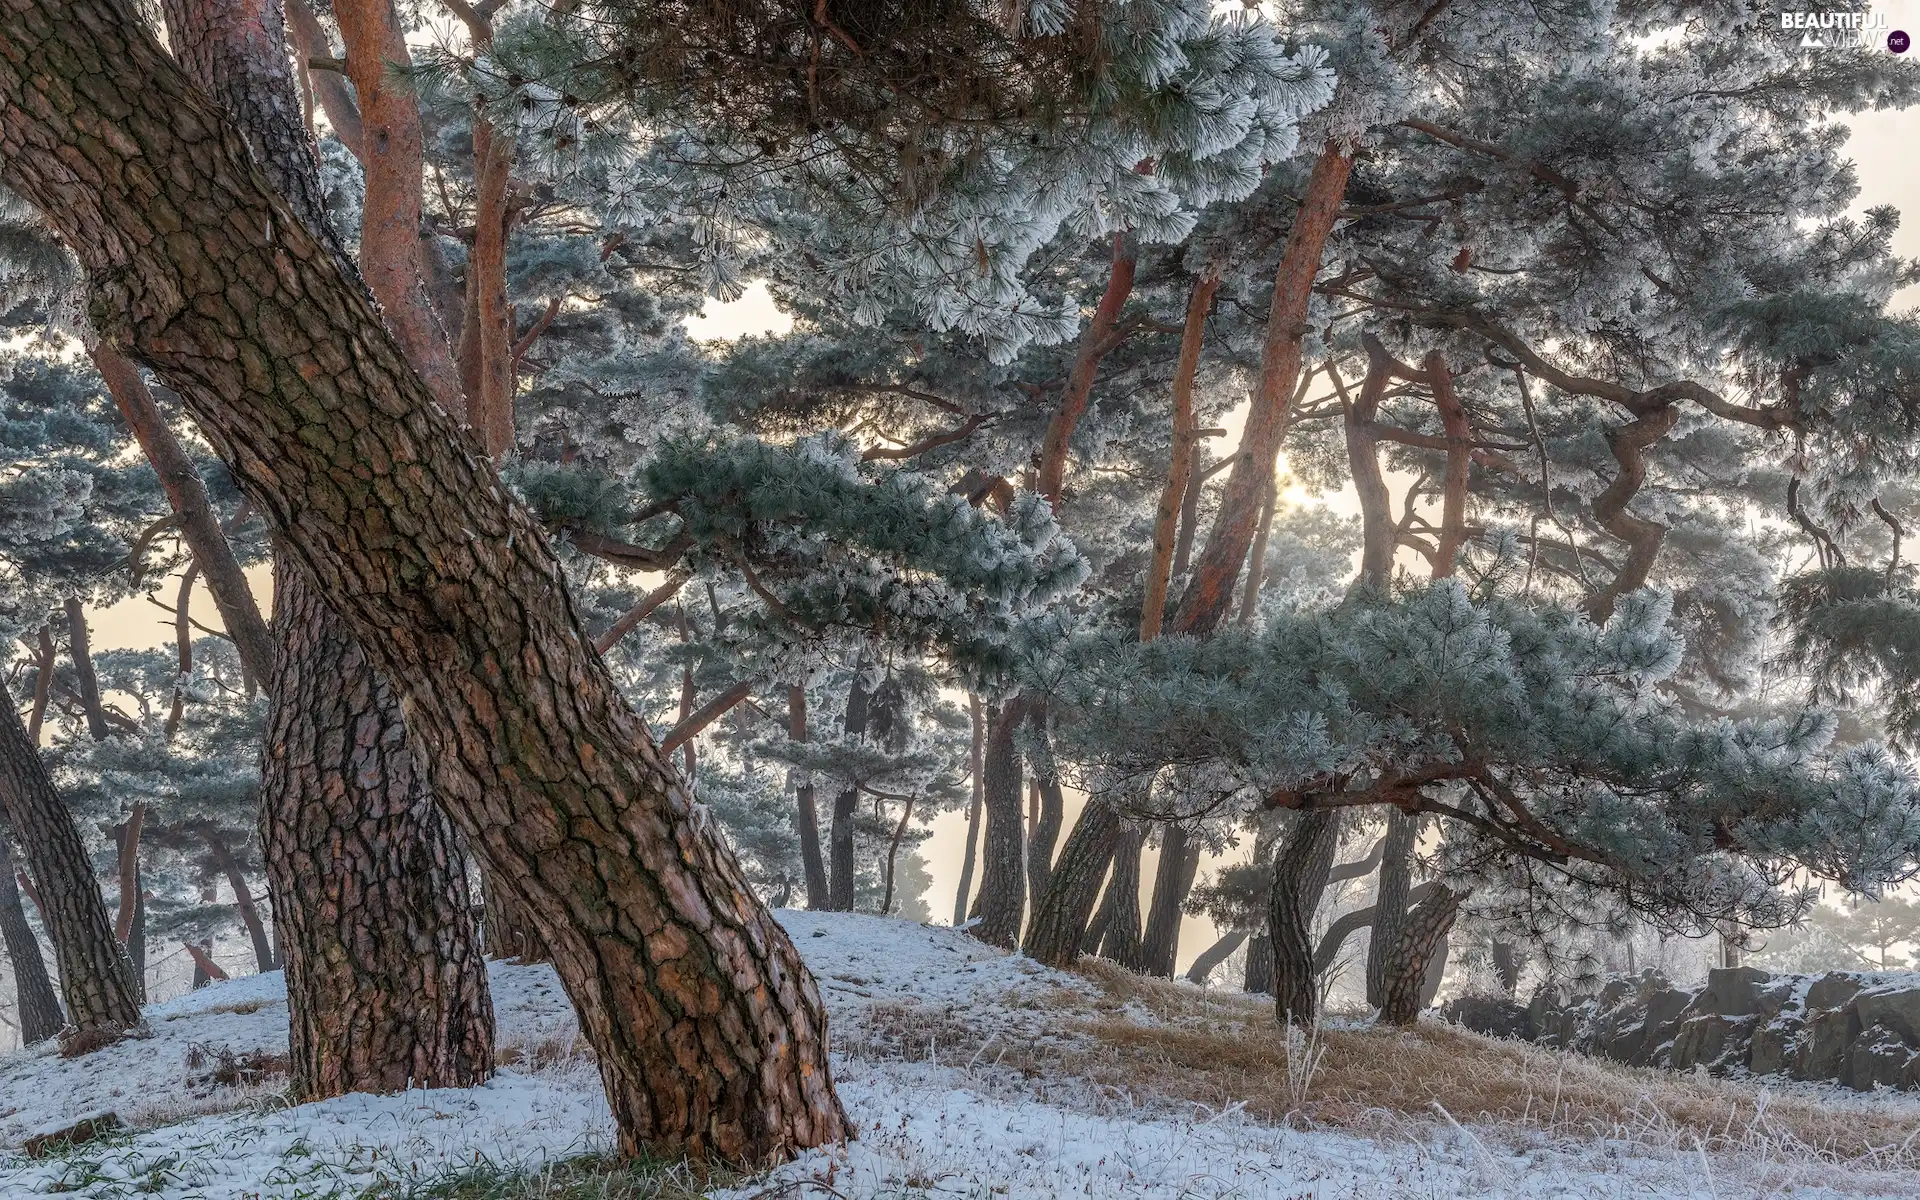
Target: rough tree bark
94,979
381,952
366,867
806,815
38,1004
710,1034
1119,919
1061,912
1421,935
1300,869
975,766
1390,901
1003,891
1179,863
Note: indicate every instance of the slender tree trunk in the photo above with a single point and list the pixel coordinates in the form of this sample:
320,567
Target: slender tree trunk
1507,961
38,1004
976,767
187,494
1300,869
1390,901
1257,557
87,681
846,805
1421,935
1209,593
386,984
806,817
1453,491
1095,341
1179,863
1214,955
486,340
392,154
1360,422
1189,522
1044,831
243,900
1002,882
1060,914
710,1035
1186,445
1644,538
1120,931
44,664
94,979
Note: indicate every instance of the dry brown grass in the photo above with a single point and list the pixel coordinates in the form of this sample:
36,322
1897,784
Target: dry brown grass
1225,1050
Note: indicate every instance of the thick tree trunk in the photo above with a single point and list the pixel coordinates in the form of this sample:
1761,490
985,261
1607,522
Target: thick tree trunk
1210,593
976,766
1002,881
38,1004
386,984
1045,831
1095,341
392,153
1061,912
1120,923
1214,955
1300,869
243,900
846,806
710,1034
94,979
1186,442
1259,980
806,815
1179,863
1421,935
199,524
1390,901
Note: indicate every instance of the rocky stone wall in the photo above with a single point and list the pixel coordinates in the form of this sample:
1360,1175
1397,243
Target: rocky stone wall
1857,1028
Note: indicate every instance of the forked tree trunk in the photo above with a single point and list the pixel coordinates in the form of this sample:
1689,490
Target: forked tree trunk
1421,935
1003,889
710,1035
1045,833
1390,901
38,1004
1060,916
94,978
1360,417
386,985
130,923
846,806
1179,863
1210,592
806,814
976,766
1300,870
1095,341
1120,928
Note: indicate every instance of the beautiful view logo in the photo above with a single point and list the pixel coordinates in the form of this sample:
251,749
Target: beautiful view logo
1824,30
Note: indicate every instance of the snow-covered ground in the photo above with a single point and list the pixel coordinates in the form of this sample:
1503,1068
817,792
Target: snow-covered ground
943,1119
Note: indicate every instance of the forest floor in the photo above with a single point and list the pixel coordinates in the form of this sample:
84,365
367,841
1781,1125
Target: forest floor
969,1073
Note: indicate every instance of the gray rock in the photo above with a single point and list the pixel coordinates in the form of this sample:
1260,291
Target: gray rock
1495,1016
1822,1052
1732,991
1832,990
1773,1044
1892,1007
1879,1056
1713,1041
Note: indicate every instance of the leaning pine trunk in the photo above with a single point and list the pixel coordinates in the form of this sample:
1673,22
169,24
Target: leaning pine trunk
39,1006
1002,884
1390,904
1300,869
1421,936
709,1031
1179,863
386,985
94,978
1060,915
